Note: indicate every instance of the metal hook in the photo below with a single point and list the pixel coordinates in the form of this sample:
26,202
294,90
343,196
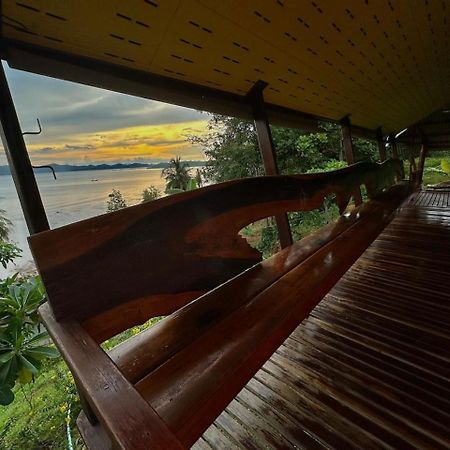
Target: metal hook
46,167
34,132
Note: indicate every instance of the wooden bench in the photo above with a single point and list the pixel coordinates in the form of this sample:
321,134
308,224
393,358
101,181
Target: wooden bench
165,386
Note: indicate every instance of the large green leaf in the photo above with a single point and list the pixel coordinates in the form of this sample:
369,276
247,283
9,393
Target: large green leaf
25,376
29,364
5,357
42,352
6,395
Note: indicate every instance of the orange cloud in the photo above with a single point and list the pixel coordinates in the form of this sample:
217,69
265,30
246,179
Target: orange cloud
145,142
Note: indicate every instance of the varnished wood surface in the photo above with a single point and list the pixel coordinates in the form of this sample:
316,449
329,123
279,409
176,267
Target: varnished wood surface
434,197
188,242
370,367
190,388
129,421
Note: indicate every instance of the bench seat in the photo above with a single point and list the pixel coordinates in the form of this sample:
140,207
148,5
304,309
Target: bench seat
189,366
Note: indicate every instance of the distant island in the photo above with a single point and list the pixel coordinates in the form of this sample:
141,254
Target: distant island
4,170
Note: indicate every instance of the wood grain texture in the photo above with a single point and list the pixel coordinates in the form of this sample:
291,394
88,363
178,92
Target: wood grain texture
129,421
183,243
369,368
190,388
144,352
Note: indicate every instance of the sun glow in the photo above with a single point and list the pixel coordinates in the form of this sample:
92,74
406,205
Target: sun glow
139,143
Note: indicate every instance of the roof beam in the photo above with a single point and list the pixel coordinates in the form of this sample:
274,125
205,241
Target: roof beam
79,69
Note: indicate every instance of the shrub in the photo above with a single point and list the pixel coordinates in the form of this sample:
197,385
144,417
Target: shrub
150,194
116,201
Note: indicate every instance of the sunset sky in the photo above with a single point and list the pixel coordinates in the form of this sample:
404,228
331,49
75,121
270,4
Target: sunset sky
86,125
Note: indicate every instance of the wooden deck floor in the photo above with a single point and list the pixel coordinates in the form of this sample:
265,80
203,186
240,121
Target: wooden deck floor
370,367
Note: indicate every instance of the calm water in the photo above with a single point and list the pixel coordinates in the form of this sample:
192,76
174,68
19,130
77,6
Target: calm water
72,197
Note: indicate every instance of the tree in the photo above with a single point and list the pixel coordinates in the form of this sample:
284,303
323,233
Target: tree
231,149
8,250
116,201
176,174
150,194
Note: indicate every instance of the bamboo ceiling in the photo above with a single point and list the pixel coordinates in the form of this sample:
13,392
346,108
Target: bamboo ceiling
384,62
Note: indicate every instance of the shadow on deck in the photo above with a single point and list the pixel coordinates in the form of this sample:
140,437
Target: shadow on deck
370,367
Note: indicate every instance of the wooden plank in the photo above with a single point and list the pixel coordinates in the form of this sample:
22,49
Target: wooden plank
371,363
214,367
197,253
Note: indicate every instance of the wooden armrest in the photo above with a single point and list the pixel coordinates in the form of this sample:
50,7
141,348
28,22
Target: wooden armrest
129,420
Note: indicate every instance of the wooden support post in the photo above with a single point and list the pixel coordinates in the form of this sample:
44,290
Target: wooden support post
19,161
267,150
349,153
381,145
393,143
412,165
423,155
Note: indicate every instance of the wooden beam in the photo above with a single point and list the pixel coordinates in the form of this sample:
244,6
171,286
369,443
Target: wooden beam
393,144
349,153
267,149
80,69
423,154
381,145
19,161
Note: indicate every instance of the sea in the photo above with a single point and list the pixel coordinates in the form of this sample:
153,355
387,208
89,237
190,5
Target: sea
72,197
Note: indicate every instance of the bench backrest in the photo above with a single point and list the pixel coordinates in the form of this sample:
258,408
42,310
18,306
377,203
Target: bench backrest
157,256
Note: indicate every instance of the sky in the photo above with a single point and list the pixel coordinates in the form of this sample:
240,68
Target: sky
86,125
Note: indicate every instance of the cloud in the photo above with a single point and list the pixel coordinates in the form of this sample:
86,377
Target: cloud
157,142
66,108
81,122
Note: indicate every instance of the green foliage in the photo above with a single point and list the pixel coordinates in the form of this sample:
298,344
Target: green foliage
445,166
23,345
5,224
231,149
190,186
232,152
268,243
116,201
176,174
328,166
8,253
8,250
37,419
150,194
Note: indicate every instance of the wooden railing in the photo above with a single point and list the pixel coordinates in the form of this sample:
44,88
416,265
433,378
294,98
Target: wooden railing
163,387
152,258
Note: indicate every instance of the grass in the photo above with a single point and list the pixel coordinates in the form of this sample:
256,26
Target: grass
433,173
36,419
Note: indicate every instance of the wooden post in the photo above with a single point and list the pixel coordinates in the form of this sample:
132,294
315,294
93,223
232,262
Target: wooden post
423,155
393,143
267,150
349,153
381,146
19,161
